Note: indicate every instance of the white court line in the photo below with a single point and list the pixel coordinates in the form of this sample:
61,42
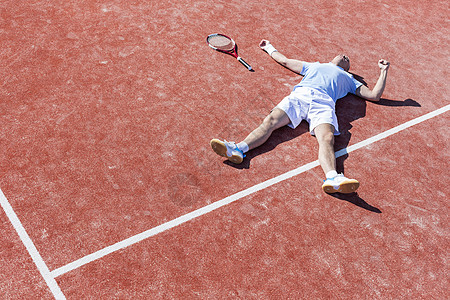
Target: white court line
49,277
42,267
213,206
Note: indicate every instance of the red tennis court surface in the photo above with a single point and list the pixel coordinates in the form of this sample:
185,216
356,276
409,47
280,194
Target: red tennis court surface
110,188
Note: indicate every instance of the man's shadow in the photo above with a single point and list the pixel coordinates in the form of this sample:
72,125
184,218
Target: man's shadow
351,108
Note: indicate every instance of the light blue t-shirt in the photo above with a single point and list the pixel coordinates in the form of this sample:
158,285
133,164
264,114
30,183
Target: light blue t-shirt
328,78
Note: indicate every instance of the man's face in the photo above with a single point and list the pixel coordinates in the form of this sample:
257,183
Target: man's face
342,61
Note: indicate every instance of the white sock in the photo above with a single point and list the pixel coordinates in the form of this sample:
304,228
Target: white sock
243,147
331,174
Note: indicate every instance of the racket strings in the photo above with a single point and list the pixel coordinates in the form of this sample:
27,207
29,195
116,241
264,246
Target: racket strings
221,42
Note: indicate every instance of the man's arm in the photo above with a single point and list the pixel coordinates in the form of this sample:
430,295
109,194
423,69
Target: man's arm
377,91
292,64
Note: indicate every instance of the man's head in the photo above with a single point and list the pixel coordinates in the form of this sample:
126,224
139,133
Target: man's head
342,61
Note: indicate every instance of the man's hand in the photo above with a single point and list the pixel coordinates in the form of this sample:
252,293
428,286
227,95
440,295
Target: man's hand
383,64
267,46
263,43
292,64
375,94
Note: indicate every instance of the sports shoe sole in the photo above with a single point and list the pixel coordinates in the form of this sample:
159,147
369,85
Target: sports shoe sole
221,149
346,187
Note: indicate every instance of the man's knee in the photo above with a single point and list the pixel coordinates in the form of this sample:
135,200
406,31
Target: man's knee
276,119
328,138
270,121
325,134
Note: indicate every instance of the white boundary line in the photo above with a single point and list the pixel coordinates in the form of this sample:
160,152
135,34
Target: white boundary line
49,277
251,190
42,267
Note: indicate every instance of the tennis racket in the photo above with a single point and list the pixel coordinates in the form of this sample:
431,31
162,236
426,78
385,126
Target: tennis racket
225,44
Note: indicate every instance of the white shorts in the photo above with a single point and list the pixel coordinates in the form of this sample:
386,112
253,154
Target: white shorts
312,105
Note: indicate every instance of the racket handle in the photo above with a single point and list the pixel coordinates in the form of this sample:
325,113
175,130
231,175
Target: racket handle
244,63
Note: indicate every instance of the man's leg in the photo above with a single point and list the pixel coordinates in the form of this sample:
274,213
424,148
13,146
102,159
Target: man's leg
276,119
325,137
235,153
327,159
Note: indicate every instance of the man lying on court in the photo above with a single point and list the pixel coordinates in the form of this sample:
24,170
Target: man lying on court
313,100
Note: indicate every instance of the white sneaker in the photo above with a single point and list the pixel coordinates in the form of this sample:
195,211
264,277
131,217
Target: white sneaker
340,184
227,149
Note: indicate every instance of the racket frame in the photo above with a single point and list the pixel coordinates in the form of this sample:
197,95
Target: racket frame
233,52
